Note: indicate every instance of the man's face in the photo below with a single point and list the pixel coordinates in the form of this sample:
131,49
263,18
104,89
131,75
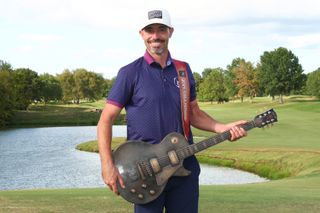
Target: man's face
156,38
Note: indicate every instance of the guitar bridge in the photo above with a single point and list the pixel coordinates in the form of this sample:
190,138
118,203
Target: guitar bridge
144,170
143,177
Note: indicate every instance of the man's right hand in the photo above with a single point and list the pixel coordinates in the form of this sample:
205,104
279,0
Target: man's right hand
111,175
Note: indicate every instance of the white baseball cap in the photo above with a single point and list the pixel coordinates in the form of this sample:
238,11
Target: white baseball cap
157,16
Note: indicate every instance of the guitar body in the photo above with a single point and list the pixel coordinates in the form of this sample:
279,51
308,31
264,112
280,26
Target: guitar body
146,168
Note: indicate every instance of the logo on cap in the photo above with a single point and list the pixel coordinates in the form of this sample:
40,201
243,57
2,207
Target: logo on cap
155,14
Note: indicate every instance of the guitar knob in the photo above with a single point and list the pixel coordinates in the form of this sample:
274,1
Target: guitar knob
132,190
140,196
152,192
144,185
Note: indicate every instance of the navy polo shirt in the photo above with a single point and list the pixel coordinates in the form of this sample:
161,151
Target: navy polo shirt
151,97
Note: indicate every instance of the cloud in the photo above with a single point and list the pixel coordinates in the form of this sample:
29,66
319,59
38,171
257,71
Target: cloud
111,13
25,49
208,33
39,37
305,41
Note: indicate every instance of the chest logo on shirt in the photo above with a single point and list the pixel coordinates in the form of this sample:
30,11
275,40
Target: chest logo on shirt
176,82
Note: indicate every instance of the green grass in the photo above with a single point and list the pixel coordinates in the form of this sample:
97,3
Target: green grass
62,200
38,115
92,146
288,153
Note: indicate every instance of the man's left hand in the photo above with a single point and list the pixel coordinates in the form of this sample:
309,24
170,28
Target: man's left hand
236,130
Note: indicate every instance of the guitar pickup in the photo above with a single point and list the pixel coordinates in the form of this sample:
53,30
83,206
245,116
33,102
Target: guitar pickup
174,160
155,165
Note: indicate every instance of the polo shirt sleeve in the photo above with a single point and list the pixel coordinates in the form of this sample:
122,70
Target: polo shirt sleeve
122,89
192,83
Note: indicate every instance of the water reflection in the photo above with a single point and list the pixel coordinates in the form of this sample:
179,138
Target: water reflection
47,158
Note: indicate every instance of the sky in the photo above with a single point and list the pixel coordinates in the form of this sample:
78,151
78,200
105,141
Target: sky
49,36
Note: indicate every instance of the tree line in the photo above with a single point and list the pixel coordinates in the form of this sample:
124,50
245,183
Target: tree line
21,87
278,73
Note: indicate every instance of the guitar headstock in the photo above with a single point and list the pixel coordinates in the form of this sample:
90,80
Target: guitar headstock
266,118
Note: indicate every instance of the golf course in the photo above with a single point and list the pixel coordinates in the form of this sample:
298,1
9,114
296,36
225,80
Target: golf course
288,154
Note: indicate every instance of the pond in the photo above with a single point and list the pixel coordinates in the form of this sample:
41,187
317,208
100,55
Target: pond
46,158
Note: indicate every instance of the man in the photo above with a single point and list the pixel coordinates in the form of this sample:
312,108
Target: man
149,91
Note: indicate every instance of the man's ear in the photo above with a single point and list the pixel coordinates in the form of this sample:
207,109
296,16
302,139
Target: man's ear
171,31
141,32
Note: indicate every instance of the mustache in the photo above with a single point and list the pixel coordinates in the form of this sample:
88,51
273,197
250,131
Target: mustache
156,41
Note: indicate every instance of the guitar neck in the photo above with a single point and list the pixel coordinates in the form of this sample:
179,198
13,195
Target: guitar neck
198,147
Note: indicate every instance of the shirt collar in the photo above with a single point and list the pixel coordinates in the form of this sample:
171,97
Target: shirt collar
149,59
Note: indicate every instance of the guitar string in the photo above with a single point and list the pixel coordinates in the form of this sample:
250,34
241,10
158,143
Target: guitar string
223,136
164,160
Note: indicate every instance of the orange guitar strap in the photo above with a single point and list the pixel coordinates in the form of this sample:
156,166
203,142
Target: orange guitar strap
184,95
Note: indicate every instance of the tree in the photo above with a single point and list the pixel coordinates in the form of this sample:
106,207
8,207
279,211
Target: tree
50,88
313,83
198,80
88,85
206,72
212,88
81,84
6,93
96,86
232,89
67,84
280,72
246,80
26,87
107,86
80,77
5,66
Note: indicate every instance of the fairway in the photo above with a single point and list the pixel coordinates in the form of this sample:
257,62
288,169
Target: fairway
288,154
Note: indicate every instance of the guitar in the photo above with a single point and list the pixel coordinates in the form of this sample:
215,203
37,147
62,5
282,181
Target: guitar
146,168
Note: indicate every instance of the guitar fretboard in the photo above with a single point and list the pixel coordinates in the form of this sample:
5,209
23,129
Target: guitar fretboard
197,147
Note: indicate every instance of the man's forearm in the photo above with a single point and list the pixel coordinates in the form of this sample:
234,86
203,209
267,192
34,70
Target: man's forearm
203,121
104,132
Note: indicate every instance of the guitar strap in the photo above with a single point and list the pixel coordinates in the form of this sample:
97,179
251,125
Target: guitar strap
184,95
